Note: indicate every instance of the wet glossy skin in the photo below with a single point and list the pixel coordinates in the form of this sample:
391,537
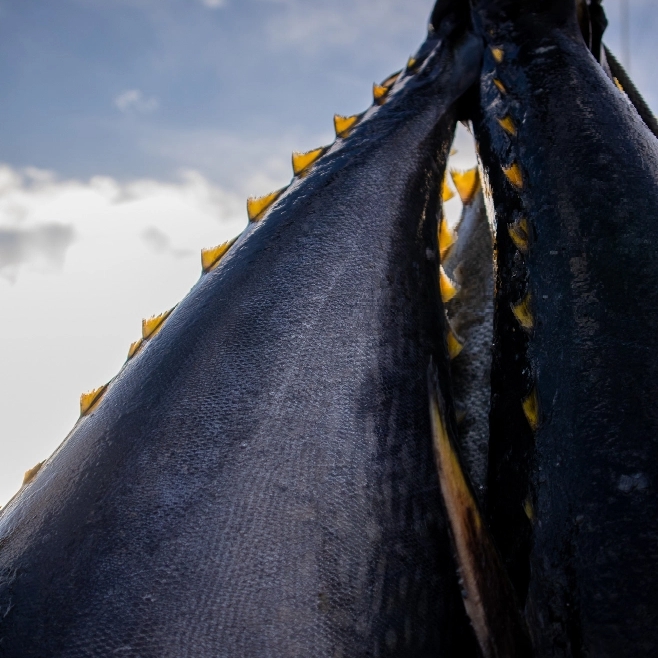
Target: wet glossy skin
573,505
259,480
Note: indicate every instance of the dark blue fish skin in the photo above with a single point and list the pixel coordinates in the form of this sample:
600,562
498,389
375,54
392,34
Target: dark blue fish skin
470,264
259,479
585,561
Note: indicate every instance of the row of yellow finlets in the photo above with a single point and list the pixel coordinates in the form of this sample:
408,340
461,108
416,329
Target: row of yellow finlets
256,209
150,328
466,183
519,232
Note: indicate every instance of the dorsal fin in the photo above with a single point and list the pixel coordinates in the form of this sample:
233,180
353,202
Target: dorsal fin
31,473
258,206
134,348
447,286
488,593
467,183
391,80
302,161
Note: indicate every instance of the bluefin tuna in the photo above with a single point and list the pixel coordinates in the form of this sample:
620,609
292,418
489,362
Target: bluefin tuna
258,480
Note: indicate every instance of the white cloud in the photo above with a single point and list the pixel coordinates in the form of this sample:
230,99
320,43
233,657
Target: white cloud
96,256
133,100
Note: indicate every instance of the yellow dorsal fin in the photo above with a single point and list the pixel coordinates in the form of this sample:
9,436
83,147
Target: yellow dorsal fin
447,286
498,54
302,161
391,80
523,312
455,345
152,325
258,206
446,239
488,593
446,192
519,233
134,348
507,125
31,473
500,86
210,257
514,176
531,409
467,183
90,399
379,93
344,125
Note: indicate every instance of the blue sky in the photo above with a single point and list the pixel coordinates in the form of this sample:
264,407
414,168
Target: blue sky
131,132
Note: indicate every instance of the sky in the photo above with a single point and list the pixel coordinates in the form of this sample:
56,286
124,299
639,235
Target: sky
131,133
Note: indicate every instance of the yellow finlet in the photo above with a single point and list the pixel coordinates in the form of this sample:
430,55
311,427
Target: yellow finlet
618,85
302,161
379,93
411,62
447,287
446,192
514,176
391,80
446,239
467,184
134,348
531,410
507,125
520,234
31,473
90,399
498,54
344,125
523,313
529,510
455,346
500,86
258,206
210,257
152,325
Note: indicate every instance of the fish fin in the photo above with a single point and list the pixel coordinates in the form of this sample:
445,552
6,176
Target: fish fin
446,192
455,344
31,473
498,54
303,161
379,93
514,176
210,257
134,348
523,312
91,399
344,125
467,183
500,86
258,206
447,286
152,325
447,239
391,80
507,125
488,593
531,409
520,234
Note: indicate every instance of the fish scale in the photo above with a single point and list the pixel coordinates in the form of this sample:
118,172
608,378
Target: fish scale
258,479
